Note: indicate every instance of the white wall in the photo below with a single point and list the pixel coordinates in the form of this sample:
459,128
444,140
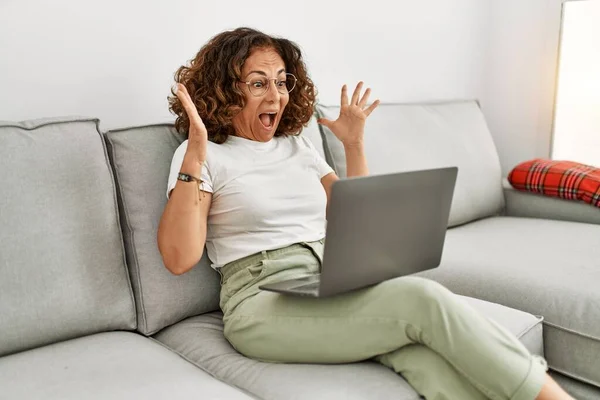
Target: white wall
115,59
577,118
519,77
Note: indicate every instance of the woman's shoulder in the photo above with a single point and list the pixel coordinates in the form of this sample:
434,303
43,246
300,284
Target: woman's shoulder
303,141
299,140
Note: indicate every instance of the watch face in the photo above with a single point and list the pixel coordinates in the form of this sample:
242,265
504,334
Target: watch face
184,177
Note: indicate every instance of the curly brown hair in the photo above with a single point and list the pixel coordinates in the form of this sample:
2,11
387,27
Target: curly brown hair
212,78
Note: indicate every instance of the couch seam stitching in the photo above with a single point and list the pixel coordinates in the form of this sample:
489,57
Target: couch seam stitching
574,376
201,367
528,329
62,121
126,209
585,335
113,180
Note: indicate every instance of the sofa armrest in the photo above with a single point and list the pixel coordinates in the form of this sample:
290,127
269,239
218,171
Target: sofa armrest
533,205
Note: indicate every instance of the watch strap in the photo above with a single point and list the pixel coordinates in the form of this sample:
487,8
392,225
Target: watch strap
188,178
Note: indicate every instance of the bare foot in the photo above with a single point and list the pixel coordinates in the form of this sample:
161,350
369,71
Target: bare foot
551,391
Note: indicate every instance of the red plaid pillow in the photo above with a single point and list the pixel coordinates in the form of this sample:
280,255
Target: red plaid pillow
564,179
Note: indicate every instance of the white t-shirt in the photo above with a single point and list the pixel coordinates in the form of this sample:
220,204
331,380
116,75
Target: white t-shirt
265,195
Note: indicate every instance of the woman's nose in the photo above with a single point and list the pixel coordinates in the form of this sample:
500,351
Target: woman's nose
272,92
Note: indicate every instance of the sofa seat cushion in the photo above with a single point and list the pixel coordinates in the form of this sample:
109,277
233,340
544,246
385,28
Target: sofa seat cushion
111,365
200,339
405,137
548,268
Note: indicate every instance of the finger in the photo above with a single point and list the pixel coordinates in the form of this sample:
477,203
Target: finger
325,121
186,99
373,106
188,105
363,102
356,93
344,99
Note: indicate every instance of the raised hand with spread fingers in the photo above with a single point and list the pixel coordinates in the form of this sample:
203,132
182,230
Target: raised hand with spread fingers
349,127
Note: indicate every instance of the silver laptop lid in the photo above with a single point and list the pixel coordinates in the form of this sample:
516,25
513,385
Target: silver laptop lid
384,226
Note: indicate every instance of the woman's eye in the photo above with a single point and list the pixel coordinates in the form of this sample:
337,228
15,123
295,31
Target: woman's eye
281,83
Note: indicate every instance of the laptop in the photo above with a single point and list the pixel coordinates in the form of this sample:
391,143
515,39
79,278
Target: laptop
379,227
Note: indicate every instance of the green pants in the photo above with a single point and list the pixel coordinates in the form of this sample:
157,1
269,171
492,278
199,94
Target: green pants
441,346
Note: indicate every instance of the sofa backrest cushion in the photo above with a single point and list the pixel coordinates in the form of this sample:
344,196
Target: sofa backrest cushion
141,157
62,263
404,137
314,134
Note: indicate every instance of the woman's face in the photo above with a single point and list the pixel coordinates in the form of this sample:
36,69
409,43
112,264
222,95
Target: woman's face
260,117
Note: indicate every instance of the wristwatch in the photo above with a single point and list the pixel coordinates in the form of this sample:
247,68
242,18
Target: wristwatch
188,178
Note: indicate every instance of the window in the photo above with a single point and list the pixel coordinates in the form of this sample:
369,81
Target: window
576,134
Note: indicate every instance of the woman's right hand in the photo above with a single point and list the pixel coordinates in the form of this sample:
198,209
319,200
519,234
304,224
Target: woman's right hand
182,228
197,134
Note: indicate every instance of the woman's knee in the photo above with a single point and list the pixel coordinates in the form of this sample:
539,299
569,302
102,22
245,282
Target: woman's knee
425,291
237,336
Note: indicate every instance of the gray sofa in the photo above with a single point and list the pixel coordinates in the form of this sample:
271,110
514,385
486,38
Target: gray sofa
88,311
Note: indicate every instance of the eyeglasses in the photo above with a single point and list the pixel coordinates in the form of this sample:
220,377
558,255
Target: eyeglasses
259,86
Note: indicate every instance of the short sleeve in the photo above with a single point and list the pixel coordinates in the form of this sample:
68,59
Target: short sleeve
322,167
176,163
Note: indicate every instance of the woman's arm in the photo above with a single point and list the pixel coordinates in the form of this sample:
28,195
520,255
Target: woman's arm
356,165
182,228
356,161
349,128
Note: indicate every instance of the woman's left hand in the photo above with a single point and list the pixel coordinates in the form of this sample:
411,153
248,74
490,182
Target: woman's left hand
349,128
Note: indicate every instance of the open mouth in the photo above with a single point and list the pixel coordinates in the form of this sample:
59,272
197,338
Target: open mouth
267,119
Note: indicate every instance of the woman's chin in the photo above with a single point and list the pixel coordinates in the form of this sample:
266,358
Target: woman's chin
266,138
266,133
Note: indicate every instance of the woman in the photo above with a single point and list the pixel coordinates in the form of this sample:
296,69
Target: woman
247,186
